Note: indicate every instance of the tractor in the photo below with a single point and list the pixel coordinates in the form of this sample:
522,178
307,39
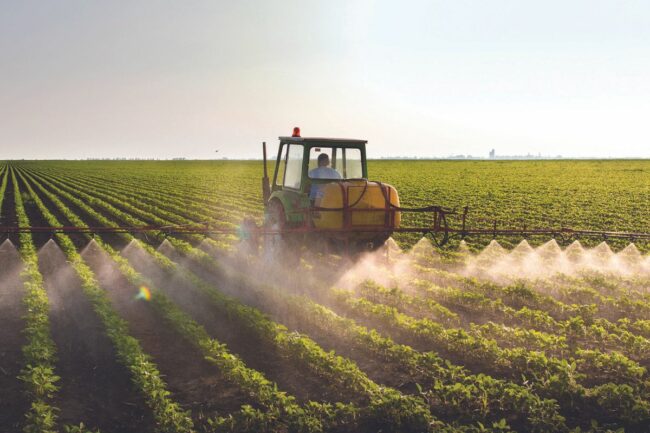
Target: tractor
320,192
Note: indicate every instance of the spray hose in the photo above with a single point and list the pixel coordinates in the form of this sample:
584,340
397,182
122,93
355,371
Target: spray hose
386,199
365,188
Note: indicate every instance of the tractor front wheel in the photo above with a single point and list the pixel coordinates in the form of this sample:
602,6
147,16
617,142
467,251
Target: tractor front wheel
275,222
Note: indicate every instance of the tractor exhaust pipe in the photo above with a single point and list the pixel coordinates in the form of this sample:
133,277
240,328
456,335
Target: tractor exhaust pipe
266,188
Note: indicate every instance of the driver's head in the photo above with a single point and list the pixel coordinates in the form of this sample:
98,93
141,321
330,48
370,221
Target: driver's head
323,160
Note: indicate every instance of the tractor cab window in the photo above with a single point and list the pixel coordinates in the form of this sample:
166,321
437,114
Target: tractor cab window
335,163
352,167
291,166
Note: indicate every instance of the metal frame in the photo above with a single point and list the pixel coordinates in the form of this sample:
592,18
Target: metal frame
439,227
439,230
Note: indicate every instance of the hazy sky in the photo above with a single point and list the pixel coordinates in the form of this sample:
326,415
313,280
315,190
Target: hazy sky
430,78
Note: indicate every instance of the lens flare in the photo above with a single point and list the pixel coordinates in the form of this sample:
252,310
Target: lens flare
144,293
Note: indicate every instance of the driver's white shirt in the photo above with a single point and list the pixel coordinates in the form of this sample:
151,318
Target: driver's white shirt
324,173
321,173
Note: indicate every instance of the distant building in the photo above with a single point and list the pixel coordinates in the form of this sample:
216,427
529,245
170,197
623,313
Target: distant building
492,153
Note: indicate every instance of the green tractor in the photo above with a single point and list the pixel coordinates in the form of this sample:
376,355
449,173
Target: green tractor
320,192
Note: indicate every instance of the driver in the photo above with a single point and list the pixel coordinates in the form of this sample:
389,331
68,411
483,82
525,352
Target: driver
323,171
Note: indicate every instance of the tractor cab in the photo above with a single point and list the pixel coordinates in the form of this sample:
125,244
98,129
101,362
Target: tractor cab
321,185
304,165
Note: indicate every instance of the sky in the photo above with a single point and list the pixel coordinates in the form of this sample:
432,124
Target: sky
212,79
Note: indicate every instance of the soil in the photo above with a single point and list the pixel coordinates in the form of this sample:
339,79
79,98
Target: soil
94,388
13,402
291,375
8,213
195,384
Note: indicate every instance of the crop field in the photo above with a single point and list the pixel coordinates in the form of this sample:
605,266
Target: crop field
160,332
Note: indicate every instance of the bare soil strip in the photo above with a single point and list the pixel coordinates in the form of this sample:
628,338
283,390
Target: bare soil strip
94,388
8,212
13,403
196,384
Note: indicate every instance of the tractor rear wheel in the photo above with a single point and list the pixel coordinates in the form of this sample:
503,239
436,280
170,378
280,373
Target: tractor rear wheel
248,236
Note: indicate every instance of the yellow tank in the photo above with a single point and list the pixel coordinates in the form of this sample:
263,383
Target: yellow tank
357,195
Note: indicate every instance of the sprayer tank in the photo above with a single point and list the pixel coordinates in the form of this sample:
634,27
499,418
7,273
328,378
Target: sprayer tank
357,204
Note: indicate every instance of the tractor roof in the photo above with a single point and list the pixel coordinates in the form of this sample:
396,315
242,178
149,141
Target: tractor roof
321,140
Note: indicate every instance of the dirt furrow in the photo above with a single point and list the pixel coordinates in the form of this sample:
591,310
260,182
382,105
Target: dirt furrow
8,211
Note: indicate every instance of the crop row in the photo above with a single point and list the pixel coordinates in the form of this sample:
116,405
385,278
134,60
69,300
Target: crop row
39,351
539,311
607,397
279,406
150,201
602,367
614,363
163,209
237,308
503,322
249,315
550,377
634,376
451,389
132,212
180,220
232,208
575,194
385,400
250,380
168,414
